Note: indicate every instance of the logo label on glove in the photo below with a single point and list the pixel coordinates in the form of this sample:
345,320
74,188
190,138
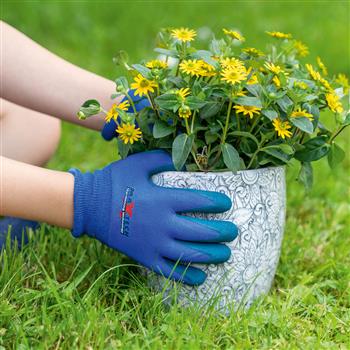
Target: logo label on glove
126,212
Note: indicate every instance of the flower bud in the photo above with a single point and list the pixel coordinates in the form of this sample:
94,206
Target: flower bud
81,115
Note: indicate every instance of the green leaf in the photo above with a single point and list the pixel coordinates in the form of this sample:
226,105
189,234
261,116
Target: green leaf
286,104
303,124
194,102
144,71
182,146
211,137
145,122
168,101
245,134
248,101
122,84
121,58
306,175
347,120
314,149
231,157
161,129
269,113
171,53
284,147
88,109
211,109
126,117
123,149
277,153
254,89
335,156
206,56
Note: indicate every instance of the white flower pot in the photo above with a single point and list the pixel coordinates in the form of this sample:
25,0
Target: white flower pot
258,210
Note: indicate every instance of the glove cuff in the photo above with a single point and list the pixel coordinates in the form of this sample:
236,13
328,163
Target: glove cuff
92,198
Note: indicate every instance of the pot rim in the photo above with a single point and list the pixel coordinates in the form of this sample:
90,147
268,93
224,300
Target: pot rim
224,172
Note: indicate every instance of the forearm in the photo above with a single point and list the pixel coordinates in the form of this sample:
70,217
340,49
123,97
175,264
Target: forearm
34,193
36,78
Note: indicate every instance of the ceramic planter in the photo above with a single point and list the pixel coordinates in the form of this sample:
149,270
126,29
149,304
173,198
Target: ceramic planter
259,204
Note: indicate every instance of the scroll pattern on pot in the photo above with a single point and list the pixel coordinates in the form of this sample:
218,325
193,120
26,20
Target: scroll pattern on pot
258,209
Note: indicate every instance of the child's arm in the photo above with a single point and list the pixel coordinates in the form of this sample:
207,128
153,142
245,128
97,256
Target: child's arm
34,193
38,79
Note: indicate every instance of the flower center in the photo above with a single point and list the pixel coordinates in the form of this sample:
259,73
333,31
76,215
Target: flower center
144,83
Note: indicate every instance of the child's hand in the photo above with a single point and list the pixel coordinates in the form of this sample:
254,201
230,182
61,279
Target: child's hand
121,206
109,129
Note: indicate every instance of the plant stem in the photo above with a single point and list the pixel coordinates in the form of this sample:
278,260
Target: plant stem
255,154
150,99
337,133
227,122
238,122
192,122
254,123
131,102
188,130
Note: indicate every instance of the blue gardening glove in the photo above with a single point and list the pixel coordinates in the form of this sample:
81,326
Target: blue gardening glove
121,207
109,130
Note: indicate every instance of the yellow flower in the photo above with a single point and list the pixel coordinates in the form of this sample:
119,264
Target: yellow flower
234,75
326,84
301,85
113,113
143,86
128,133
183,34
248,110
156,64
252,80
273,68
282,128
276,81
240,93
191,67
280,35
184,112
231,62
252,51
333,103
206,69
313,73
317,76
302,49
322,66
302,113
233,34
343,81
183,92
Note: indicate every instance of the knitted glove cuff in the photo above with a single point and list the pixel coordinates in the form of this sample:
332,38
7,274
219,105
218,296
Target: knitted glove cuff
92,201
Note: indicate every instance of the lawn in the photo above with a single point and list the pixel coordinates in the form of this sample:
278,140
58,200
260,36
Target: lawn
62,293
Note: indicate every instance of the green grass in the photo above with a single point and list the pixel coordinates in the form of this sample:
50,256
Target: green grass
65,293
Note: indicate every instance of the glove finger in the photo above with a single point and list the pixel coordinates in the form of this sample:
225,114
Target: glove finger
109,130
153,161
187,228
141,104
182,273
189,200
201,253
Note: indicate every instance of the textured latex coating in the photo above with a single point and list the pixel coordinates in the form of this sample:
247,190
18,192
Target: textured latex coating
121,206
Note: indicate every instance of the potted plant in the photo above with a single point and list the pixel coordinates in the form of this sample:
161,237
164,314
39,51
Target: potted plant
232,118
